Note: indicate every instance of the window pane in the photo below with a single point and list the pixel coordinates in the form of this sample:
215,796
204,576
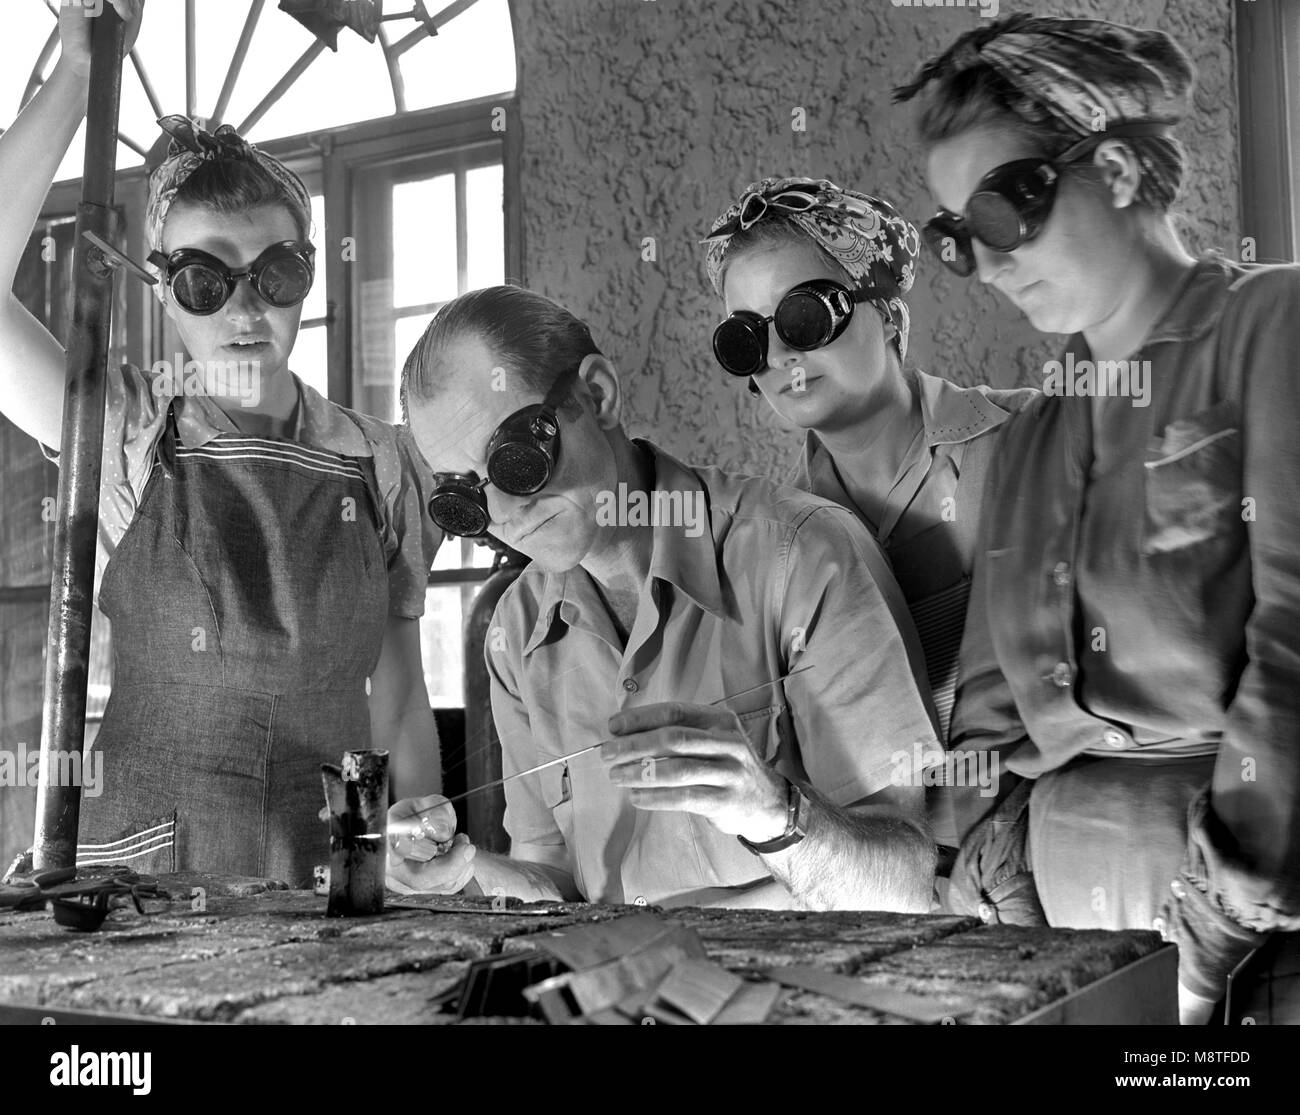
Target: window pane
485,227
462,553
472,56
309,361
424,241
442,643
314,306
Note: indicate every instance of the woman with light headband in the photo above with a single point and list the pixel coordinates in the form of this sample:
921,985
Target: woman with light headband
813,277
1134,637
262,553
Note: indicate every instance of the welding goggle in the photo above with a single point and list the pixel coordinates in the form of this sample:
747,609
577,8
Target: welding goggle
522,456
810,315
201,284
1010,204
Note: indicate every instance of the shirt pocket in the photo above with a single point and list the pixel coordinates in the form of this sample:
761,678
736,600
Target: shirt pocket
1193,482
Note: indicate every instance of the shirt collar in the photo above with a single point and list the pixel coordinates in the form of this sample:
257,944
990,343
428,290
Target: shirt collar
1199,303
951,415
319,423
689,564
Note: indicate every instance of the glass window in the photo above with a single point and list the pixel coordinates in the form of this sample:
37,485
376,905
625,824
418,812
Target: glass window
472,56
445,234
485,226
310,361
424,242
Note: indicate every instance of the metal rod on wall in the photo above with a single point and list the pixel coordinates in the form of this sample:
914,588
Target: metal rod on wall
58,800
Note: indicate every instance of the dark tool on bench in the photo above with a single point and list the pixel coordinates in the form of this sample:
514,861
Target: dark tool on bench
80,904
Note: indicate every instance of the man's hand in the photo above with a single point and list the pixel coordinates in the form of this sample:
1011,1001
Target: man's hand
76,19
423,856
696,759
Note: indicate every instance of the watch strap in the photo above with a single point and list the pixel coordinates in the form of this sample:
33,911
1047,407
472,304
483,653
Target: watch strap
794,826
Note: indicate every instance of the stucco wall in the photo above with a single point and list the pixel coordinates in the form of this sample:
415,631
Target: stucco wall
642,118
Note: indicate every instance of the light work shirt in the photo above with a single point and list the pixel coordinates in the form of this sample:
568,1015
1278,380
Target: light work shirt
776,579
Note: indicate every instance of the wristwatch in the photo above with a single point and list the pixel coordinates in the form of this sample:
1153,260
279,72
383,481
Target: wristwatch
796,822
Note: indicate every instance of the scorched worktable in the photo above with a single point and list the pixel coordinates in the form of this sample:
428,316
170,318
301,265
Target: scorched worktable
239,950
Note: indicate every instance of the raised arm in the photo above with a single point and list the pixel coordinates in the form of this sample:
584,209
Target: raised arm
31,360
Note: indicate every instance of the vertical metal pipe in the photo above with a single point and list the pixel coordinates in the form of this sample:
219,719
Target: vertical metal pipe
58,801
191,60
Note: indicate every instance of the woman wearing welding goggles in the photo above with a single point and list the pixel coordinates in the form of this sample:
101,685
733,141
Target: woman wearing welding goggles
262,553
1134,637
814,278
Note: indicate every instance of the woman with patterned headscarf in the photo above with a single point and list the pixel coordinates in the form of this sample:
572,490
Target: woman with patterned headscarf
1134,637
793,259
262,551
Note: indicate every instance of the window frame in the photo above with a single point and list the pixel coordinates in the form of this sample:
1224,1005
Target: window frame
1268,93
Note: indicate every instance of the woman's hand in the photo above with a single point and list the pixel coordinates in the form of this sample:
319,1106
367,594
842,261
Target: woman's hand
76,19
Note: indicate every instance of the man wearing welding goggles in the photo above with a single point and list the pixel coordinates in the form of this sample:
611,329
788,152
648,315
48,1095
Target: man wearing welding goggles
716,715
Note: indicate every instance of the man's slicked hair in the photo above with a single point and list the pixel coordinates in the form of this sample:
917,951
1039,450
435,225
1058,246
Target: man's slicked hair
535,339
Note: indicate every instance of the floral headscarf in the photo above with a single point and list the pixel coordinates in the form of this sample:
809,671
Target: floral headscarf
869,238
191,147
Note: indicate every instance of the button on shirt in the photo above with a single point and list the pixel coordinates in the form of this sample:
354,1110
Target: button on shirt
135,416
773,579
1178,626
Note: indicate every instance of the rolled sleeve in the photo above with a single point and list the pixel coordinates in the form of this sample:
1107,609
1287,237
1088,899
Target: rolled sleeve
865,695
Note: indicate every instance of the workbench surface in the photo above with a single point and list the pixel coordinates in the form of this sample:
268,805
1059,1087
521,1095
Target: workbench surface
257,955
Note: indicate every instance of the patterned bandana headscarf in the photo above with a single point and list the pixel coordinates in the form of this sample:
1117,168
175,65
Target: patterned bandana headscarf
868,237
1088,75
191,147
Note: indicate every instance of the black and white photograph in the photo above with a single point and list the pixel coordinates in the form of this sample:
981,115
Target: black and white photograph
692,513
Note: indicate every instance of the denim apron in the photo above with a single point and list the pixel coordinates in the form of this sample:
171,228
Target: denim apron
248,599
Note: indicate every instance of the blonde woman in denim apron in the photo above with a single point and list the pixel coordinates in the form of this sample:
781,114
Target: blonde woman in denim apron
1134,638
262,551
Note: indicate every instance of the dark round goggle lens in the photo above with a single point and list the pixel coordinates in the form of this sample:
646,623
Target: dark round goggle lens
199,289
995,221
950,247
285,281
458,514
739,348
803,320
519,469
